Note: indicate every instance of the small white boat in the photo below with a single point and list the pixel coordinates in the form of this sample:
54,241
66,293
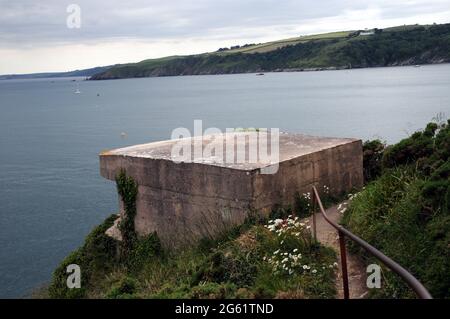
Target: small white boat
77,91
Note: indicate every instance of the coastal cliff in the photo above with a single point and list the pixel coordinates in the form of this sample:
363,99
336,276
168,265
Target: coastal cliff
406,45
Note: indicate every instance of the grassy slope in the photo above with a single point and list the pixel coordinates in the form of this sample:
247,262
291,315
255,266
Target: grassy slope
406,211
239,265
394,46
273,45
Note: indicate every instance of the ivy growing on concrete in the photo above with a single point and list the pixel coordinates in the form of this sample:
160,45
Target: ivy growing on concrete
128,190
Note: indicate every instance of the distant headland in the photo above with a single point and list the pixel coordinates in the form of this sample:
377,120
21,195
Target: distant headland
395,46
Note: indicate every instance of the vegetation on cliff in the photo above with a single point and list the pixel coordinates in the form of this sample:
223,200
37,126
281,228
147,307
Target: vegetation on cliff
128,190
405,210
407,45
260,259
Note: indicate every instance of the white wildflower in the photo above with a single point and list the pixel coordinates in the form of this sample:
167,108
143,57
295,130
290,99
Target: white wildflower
278,222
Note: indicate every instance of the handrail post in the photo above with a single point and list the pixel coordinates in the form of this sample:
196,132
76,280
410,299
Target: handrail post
313,198
344,264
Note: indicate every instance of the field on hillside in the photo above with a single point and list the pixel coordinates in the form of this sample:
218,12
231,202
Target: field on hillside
270,46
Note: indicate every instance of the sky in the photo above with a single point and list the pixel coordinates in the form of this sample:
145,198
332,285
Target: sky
54,35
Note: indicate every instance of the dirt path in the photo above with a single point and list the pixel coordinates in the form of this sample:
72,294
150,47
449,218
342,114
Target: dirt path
328,236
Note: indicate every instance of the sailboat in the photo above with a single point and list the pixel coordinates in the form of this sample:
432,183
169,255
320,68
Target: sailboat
78,89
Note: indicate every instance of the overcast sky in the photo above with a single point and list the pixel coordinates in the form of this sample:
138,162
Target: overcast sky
34,36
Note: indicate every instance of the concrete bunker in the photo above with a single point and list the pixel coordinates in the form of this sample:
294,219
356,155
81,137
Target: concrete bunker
186,201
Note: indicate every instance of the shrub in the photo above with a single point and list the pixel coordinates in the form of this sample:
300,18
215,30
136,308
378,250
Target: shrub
425,148
124,289
58,288
145,249
302,205
372,155
409,150
230,263
95,258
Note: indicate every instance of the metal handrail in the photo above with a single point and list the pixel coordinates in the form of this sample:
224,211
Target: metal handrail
412,282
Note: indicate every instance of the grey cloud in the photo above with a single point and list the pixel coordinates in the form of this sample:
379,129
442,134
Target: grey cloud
41,23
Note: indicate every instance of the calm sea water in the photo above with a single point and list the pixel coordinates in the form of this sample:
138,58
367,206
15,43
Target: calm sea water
51,194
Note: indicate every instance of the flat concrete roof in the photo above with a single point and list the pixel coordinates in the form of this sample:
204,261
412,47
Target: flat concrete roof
290,146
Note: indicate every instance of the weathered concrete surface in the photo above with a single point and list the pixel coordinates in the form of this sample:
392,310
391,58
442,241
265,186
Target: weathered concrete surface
186,201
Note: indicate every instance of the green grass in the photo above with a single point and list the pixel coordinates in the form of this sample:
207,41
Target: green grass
405,212
238,265
273,45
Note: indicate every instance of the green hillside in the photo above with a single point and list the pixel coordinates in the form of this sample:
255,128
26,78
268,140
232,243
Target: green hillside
404,45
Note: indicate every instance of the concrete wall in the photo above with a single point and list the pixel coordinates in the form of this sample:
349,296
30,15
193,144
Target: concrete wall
183,202
188,201
340,168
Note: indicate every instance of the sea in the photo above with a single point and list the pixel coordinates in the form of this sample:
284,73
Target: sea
51,192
